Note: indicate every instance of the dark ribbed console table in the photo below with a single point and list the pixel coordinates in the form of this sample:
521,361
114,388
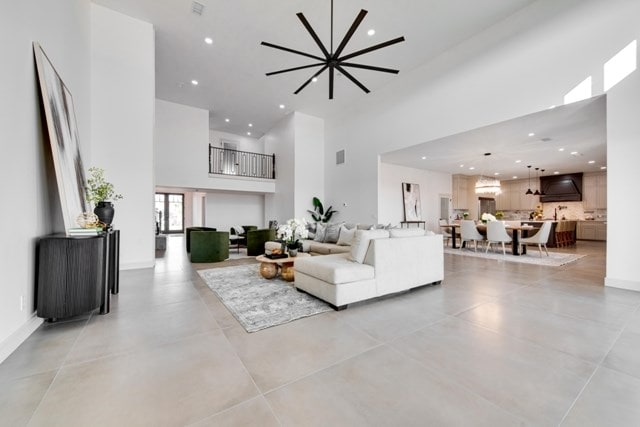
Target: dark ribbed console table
76,274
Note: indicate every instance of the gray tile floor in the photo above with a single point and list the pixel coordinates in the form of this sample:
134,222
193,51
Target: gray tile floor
496,344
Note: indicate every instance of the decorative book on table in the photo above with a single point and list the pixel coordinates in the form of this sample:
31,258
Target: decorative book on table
84,231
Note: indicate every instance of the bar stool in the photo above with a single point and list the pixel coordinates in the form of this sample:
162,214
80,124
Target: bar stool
561,235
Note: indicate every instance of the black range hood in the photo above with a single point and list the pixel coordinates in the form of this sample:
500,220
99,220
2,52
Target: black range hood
561,188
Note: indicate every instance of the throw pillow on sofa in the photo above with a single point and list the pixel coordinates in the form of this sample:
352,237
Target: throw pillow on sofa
321,231
360,243
332,232
346,236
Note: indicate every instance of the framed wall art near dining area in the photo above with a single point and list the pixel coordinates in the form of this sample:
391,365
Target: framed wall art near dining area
411,199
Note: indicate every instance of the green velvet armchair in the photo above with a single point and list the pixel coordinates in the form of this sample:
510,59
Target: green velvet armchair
187,234
242,237
209,246
256,240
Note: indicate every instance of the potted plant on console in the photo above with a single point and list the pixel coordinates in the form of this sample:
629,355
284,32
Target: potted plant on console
101,193
291,232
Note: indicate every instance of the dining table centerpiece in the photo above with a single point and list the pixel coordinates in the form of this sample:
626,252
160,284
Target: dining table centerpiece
486,217
291,232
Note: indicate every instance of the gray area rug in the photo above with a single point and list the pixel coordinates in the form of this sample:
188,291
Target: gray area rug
258,303
555,259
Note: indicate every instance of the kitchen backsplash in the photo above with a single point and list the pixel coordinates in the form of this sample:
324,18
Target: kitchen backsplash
564,210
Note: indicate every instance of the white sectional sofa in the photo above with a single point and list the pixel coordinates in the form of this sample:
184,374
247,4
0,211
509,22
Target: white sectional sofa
379,262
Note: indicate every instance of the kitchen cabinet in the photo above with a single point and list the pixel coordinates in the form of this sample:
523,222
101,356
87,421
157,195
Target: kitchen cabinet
459,190
592,230
513,196
594,191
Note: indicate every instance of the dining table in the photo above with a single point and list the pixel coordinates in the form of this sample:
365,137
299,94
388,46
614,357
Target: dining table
518,232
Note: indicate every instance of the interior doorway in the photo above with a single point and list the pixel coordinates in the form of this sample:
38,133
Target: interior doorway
170,212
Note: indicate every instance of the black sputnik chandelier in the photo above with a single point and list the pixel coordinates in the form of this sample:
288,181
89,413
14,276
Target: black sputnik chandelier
333,60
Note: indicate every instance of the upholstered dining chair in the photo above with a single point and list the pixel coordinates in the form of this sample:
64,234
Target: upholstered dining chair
540,238
469,233
497,233
446,231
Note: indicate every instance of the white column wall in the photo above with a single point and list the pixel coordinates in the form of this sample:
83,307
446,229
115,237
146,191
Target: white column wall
123,97
182,145
523,65
309,164
62,29
281,141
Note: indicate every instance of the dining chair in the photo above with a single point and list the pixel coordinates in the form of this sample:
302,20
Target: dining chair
497,233
446,231
540,238
469,233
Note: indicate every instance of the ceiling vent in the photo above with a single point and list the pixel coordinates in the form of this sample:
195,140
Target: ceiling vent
197,8
546,139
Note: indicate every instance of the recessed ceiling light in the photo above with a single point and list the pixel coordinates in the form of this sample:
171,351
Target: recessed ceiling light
194,82
208,40
574,153
603,167
424,157
282,106
514,177
556,173
471,168
371,32
560,149
315,79
518,161
532,134
461,166
496,173
227,120
591,162
250,125
249,133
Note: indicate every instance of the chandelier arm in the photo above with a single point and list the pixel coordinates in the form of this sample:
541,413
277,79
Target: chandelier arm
331,72
297,52
310,79
294,69
372,48
353,79
350,32
369,67
313,34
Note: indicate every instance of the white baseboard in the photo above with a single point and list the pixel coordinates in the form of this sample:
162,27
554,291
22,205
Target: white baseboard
9,345
137,265
631,285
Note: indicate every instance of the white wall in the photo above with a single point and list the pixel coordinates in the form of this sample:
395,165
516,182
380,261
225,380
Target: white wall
182,145
243,143
122,100
281,141
224,210
62,29
309,164
515,68
391,204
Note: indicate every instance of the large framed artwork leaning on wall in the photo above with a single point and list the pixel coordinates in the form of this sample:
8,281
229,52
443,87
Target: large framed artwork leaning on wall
411,199
63,135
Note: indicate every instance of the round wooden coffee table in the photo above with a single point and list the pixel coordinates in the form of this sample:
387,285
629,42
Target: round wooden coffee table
269,267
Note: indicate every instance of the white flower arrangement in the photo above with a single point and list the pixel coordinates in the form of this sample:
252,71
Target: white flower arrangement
488,217
293,230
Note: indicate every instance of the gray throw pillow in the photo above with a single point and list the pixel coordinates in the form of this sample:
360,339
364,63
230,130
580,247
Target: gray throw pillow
321,230
333,233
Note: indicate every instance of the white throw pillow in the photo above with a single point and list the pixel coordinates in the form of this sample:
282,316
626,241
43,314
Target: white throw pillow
360,243
406,232
332,232
321,231
239,229
346,236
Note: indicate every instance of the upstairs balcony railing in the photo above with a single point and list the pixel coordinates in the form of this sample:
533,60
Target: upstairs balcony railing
241,163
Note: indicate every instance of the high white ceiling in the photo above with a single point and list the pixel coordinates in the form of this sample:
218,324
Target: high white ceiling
231,71
578,128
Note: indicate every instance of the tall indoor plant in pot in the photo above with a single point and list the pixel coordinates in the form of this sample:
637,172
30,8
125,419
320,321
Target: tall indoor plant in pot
101,193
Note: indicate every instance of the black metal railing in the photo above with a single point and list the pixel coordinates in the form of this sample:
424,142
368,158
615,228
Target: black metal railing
241,163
